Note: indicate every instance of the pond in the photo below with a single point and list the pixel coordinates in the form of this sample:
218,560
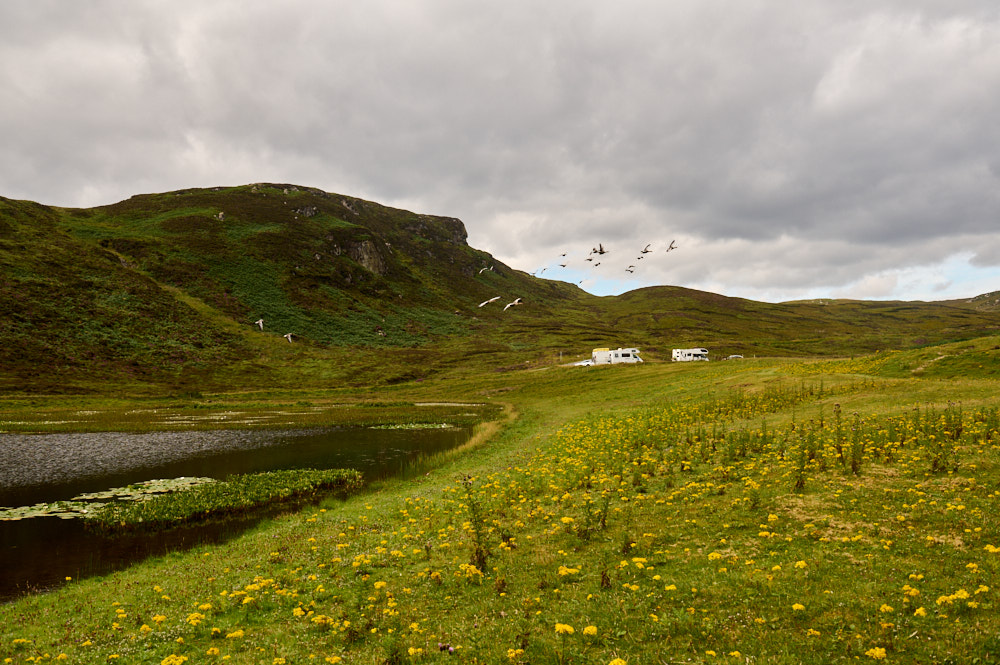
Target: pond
39,553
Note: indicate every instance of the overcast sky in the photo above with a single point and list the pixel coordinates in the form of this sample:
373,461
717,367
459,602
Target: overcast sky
790,149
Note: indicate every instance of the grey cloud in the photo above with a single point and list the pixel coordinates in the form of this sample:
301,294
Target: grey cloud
812,126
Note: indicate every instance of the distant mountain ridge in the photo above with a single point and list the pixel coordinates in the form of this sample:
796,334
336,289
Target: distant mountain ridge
164,289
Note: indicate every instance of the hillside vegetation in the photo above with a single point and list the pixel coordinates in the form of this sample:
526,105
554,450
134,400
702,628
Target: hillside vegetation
159,293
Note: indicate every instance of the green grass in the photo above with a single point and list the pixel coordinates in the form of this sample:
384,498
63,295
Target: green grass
782,511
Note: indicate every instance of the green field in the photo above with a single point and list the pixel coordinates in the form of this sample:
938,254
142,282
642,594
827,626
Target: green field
763,511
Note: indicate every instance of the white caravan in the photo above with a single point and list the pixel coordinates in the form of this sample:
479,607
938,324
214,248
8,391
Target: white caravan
687,355
614,356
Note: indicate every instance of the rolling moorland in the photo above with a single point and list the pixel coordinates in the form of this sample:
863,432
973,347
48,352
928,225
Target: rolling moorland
159,294
830,498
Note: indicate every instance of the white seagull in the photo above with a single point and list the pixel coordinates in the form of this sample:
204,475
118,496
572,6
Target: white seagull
288,336
517,301
487,302
260,322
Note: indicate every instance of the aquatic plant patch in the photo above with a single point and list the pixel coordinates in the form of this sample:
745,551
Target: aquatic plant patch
86,505
235,496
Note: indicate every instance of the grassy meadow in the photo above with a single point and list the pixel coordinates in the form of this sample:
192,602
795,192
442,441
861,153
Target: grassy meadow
756,511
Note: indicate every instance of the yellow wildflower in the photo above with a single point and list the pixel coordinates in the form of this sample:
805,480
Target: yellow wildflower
878,653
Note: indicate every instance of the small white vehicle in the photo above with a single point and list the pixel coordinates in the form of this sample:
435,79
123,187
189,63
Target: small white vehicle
689,355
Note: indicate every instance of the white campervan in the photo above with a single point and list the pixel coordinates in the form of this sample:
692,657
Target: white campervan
614,356
687,355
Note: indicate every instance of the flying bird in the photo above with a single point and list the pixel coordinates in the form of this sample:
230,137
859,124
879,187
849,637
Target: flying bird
600,249
259,322
562,265
672,245
646,250
517,301
487,302
288,336
482,270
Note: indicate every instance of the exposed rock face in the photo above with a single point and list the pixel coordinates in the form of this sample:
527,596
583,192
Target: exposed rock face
366,253
448,229
306,211
456,229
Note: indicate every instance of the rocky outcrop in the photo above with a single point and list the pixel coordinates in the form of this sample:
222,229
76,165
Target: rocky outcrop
366,253
448,229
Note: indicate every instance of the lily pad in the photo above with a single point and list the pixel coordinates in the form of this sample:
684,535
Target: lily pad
86,505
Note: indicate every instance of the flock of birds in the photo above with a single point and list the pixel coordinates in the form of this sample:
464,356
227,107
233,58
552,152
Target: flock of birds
594,258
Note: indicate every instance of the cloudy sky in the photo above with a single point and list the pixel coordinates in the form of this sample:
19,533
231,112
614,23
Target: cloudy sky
791,150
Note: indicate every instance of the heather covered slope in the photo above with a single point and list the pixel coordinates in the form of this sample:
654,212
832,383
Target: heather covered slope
72,309
161,292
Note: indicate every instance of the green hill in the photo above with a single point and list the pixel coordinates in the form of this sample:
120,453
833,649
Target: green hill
161,291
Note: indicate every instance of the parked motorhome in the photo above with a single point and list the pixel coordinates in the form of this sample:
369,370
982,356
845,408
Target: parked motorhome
612,357
687,355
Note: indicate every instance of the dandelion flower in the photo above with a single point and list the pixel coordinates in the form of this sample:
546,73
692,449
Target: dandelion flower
564,629
798,607
877,653
590,631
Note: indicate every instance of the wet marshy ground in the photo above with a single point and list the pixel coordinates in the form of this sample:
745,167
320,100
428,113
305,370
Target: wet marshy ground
40,552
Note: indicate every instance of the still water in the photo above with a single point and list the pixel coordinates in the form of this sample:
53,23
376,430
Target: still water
41,552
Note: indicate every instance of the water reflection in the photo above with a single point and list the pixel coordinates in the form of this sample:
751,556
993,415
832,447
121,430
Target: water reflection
41,552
